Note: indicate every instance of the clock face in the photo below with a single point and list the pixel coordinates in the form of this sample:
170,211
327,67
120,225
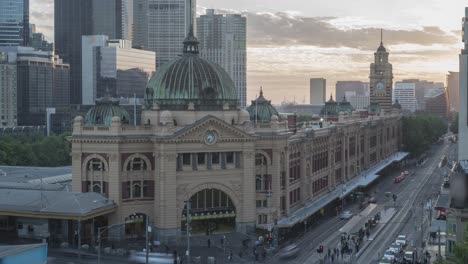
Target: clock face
380,86
210,137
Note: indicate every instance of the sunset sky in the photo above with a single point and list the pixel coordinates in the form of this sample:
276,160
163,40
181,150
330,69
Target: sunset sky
290,41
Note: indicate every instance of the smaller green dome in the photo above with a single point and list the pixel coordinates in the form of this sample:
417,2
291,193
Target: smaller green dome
330,108
103,112
345,106
261,110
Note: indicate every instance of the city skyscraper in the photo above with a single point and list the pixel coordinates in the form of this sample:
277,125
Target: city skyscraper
318,90
72,20
14,21
168,24
113,66
223,41
140,23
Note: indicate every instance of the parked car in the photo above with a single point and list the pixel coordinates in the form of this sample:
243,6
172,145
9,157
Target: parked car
401,239
346,214
408,257
389,255
385,260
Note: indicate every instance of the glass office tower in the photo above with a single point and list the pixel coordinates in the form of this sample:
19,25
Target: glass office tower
14,21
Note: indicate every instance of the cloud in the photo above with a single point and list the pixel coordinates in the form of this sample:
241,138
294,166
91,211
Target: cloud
283,29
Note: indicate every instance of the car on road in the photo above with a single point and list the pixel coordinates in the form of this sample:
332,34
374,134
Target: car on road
389,255
408,257
289,252
346,214
397,248
406,173
364,204
373,200
401,239
385,260
398,179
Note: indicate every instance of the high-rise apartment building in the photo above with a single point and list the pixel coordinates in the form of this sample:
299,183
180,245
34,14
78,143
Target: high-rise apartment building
318,90
14,21
223,41
405,93
168,24
452,90
8,110
114,67
42,81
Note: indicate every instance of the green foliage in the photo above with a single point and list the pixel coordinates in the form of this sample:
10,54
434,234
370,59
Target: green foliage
460,250
35,150
420,131
454,124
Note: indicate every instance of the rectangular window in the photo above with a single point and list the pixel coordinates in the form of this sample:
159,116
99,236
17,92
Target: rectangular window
259,203
258,183
215,158
186,159
201,158
229,157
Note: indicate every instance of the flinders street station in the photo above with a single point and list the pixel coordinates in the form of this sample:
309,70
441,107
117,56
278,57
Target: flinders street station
247,170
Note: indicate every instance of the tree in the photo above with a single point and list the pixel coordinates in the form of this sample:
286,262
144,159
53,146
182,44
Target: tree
420,131
35,150
460,250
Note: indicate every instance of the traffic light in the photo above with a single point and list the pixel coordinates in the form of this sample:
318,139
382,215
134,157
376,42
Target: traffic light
320,249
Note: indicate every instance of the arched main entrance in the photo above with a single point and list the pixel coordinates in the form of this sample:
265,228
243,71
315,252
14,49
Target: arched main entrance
135,226
211,211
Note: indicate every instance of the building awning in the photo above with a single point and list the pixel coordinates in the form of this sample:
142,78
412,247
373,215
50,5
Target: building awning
443,202
438,225
340,191
54,204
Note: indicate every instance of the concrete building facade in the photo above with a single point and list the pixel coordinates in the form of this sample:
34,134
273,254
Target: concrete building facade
223,40
453,86
405,93
42,81
8,92
318,90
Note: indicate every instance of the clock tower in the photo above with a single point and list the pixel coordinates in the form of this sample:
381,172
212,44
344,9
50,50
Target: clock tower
381,79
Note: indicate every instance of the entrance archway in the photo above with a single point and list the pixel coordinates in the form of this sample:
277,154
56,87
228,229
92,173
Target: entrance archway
135,226
211,211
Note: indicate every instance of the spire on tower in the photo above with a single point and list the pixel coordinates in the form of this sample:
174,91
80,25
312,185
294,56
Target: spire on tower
381,36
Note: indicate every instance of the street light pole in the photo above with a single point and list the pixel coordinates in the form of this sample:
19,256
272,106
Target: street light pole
99,246
147,249
188,231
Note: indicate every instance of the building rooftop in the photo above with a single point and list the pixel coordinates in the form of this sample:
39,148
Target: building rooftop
27,174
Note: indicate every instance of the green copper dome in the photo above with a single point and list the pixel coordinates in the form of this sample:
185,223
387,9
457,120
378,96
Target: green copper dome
261,110
374,108
103,112
345,106
191,79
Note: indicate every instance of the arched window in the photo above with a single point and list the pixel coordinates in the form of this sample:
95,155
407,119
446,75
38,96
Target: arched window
136,164
260,160
96,164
